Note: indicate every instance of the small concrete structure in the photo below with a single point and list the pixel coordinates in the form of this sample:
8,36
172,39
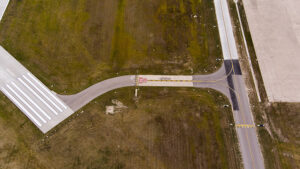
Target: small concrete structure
275,30
165,80
116,108
110,110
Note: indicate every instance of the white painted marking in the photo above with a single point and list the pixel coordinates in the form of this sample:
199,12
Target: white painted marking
11,89
20,106
28,98
47,90
42,93
3,6
29,88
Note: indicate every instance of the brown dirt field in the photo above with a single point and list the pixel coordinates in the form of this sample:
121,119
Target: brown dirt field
164,128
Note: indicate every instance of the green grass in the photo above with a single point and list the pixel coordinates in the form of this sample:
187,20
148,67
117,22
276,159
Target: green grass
73,44
121,41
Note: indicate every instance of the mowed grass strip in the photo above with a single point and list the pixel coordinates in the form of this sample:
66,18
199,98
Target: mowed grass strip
73,44
162,128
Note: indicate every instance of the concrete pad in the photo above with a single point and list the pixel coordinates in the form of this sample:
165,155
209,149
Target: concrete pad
275,30
165,80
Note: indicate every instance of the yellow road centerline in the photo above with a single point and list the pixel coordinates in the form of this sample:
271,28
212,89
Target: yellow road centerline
232,67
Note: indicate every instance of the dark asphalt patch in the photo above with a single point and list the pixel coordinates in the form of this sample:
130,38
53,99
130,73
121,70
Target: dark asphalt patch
237,70
236,67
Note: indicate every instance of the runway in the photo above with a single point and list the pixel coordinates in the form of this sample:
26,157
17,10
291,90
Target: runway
31,96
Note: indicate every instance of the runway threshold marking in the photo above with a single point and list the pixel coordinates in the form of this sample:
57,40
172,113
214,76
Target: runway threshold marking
21,106
30,100
244,126
39,97
26,103
42,93
192,81
47,91
136,80
171,81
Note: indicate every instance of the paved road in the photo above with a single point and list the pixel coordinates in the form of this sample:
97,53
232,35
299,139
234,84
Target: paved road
82,98
249,145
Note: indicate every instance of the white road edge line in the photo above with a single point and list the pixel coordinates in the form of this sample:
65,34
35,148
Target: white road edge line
37,96
25,102
47,90
20,106
42,93
27,97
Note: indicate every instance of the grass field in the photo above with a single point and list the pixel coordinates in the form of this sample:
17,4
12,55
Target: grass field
280,138
72,44
283,141
164,128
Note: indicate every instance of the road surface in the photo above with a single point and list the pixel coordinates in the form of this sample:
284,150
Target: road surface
249,145
82,98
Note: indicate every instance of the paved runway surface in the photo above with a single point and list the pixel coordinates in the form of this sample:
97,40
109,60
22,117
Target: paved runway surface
225,30
3,6
249,145
82,98
35,100
275,30
165,80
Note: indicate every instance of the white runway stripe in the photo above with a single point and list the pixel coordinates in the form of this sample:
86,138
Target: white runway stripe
28,98
47,90
29,88
22,100
42,93
20,106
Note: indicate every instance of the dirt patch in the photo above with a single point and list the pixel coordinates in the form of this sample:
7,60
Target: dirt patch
166,128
